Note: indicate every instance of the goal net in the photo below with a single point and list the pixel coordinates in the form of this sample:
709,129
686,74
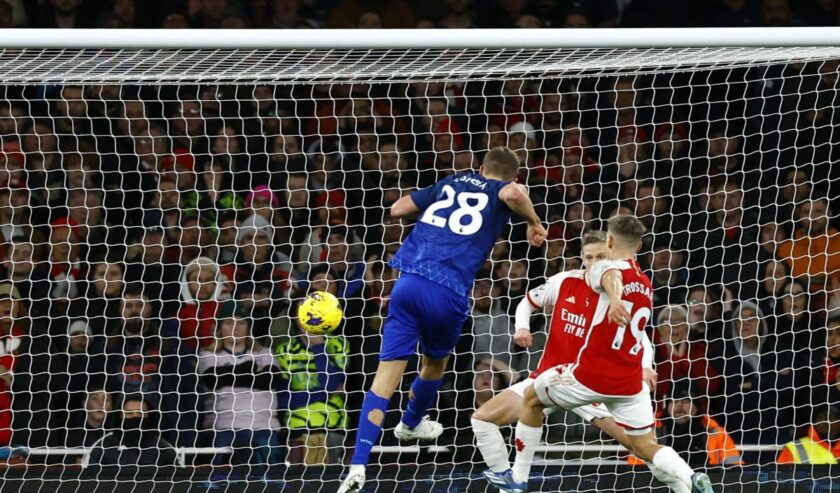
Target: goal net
164,211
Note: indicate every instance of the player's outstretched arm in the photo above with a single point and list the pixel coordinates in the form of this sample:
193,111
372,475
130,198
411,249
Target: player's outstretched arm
613,286
515,197
403,207
522,321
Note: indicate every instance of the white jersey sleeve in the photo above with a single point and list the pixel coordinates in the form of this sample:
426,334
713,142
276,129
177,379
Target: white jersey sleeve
544,295
596,272
647,351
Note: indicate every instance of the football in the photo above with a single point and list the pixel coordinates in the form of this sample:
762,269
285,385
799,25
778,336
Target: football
320,313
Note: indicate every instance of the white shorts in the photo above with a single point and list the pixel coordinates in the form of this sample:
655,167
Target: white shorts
557,387
587,412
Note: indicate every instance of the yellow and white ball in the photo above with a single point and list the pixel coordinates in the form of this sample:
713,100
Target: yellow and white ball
320,313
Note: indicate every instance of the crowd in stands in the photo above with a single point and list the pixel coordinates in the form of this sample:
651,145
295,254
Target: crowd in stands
157,240
452,14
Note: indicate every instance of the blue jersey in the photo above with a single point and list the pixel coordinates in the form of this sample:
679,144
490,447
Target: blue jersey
461,219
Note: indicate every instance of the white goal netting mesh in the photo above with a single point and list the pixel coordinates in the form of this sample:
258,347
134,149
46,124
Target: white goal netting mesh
163,212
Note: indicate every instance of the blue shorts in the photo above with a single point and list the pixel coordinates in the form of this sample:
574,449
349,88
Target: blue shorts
426,312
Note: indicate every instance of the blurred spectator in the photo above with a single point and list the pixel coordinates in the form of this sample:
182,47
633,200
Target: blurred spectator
135,441
488,377
312,397
394,14
29,277
196,238
12,341
285,156
776,13
286,14
680,360
152,268
201,292
175,20
241,379
261,279
772,235
705,315
76,368
297,217
575,19
527,21
737,13
226,240
126,12
40,144
102,297
758,380
822,443
827,366
512,278
84,207
260,203
64,262
348,271
672,164
91,424
795,323
833,304
142,359
653,207
13,205
814,251
369,20
380,278
459,15
774,277
669,277
382,167
210,14
7,19
491,329
728,249
65,14
694,434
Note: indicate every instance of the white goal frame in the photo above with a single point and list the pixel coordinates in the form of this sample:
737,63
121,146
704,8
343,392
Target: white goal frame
774,43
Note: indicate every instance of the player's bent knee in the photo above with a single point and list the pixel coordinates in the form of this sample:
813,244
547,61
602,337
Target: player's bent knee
531,399
433,369
499,413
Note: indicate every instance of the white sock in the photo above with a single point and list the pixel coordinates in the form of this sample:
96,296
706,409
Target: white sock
491,444
671,482
670,462
527,438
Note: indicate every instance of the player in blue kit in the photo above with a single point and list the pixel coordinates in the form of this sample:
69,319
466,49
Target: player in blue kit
461,217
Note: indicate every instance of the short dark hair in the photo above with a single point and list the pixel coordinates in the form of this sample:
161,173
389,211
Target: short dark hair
592,236
627,228
134,290
502,162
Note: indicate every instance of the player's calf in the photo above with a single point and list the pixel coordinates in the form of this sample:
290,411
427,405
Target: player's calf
667,460
424,390
503,409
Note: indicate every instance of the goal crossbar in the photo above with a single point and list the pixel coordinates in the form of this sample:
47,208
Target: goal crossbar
134,39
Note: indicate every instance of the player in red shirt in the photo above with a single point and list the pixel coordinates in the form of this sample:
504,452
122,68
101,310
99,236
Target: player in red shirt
559,297
608,368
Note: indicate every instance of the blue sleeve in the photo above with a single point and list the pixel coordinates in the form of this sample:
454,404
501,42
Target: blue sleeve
425,197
